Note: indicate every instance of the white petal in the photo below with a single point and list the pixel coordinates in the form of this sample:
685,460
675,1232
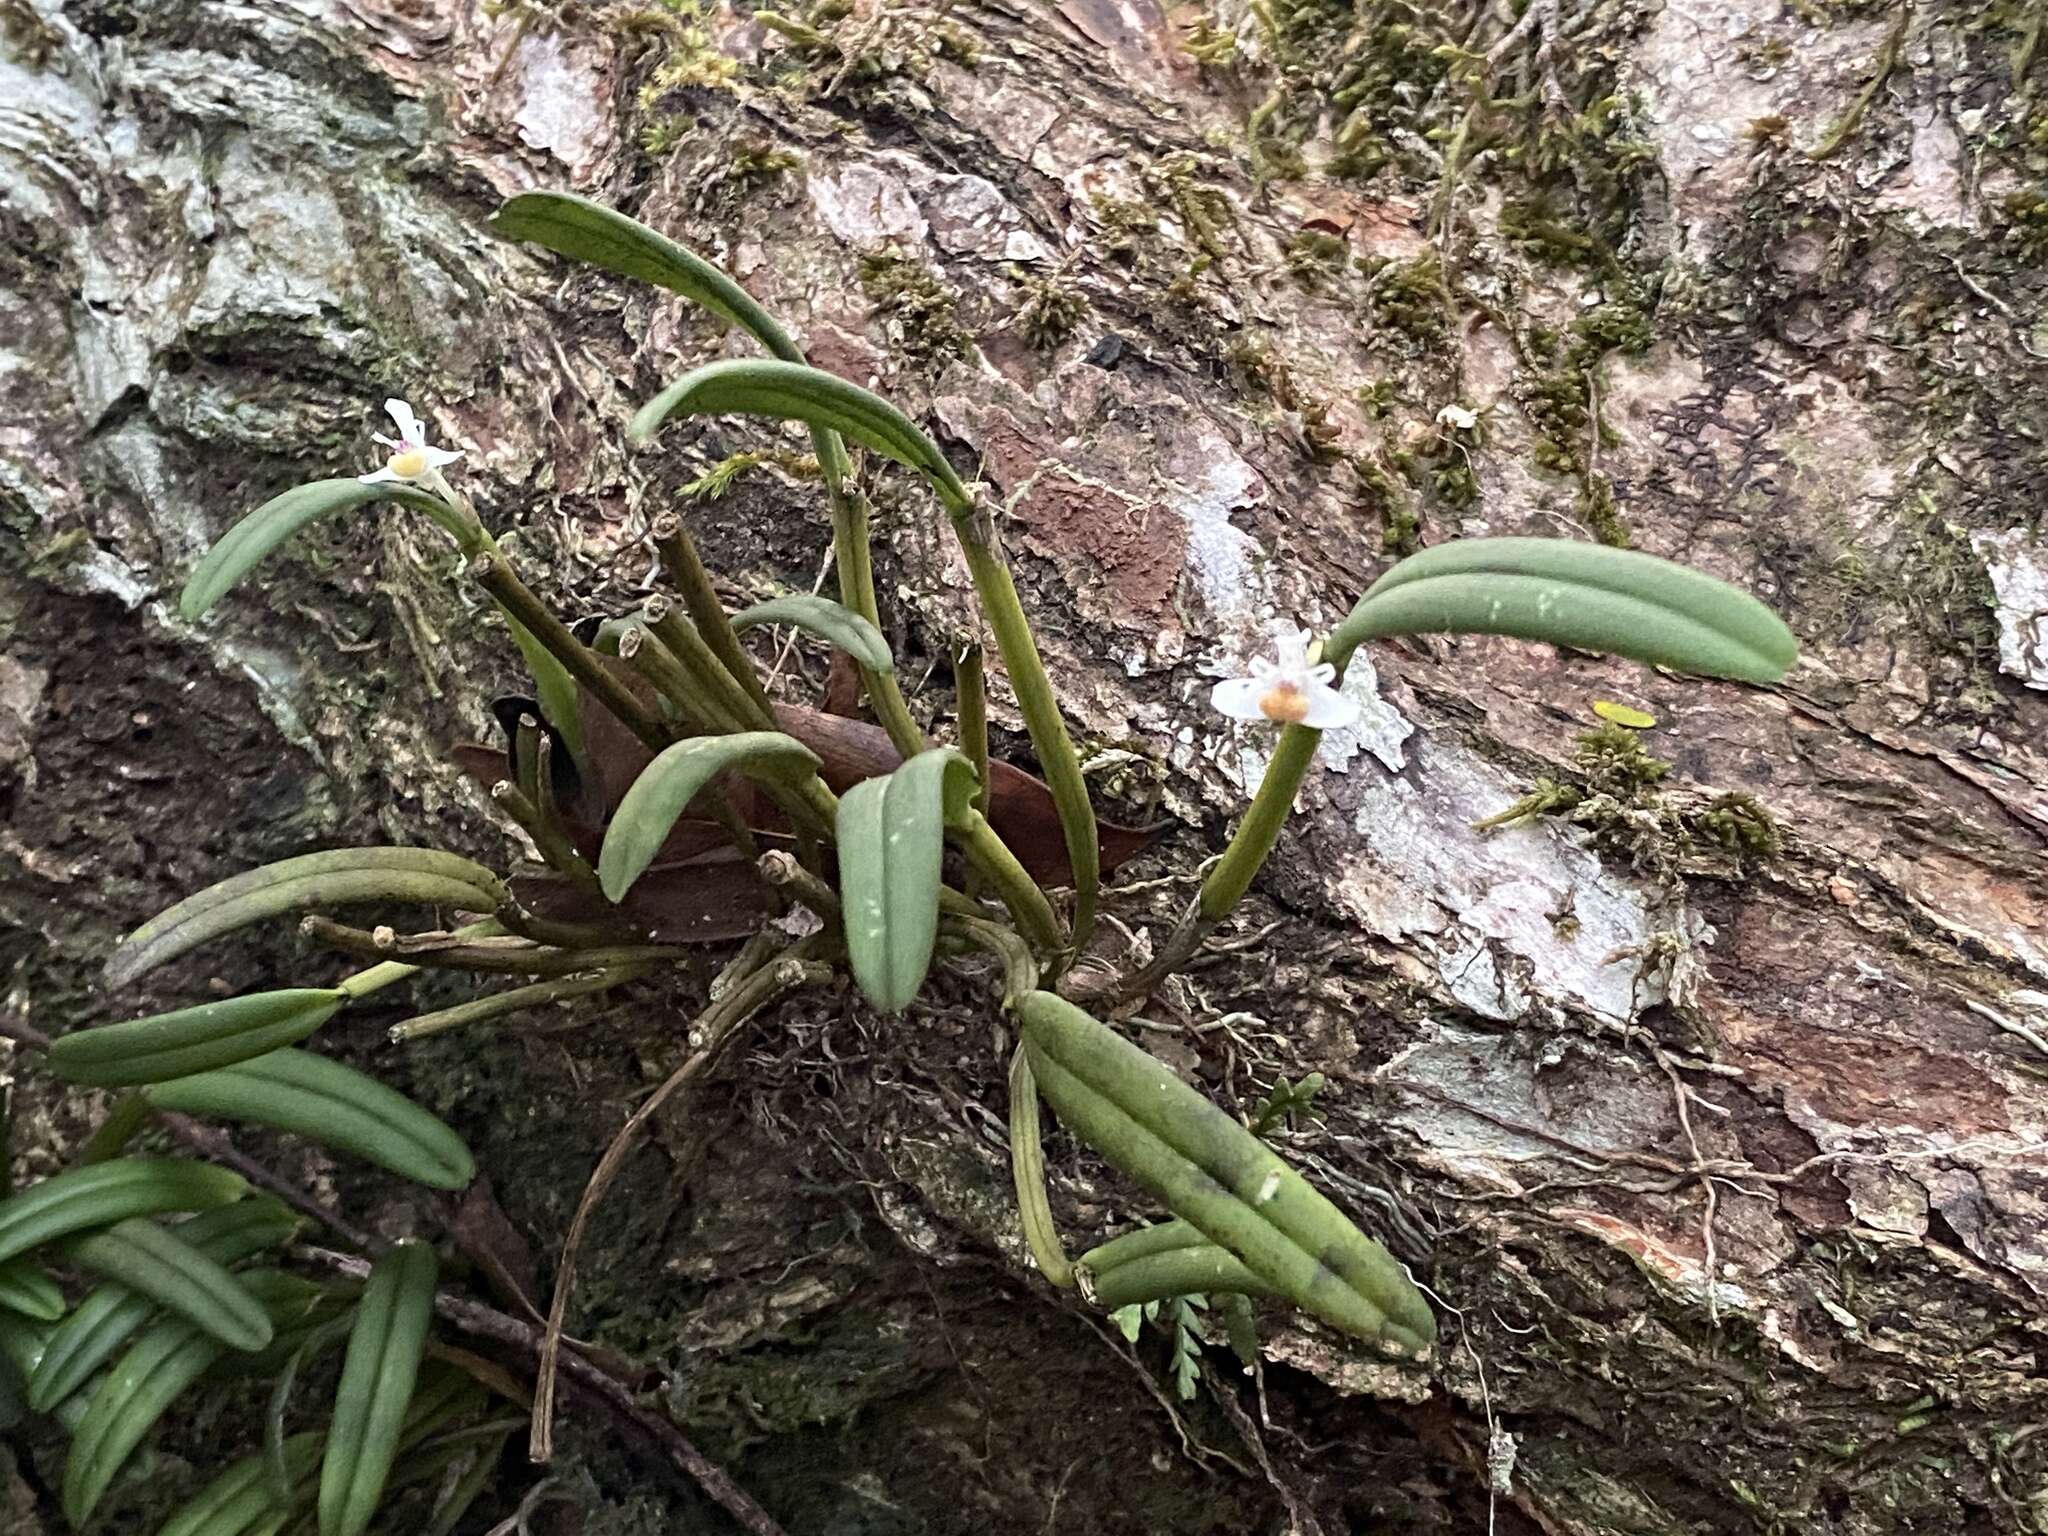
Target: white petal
379,476
409,428
1328,710
1321,672
389,442
1238,697
436,457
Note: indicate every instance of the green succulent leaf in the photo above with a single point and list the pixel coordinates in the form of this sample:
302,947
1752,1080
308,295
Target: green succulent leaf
891,836
667,785
157,1368
156,1262
1589,596
142,1385
244,546
385,1346
100,1194
423,875
167,1045
25,1289
238,1502
793,392
576,227
1217,1178
109,1316
829,621
333,1104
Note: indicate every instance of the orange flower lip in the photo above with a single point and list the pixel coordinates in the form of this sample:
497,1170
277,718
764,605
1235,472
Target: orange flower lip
1285,703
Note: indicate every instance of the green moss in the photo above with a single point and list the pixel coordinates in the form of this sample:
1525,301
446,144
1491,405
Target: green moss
1051,310
1314,256
1410,299
1739,823
1121,222
917,306
1596,509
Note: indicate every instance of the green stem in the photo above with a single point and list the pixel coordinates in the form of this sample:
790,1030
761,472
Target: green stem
970,685
992,857
1020,965
850,536
703,664
1256,834
548,837
686,569
539,993
513,595
1027,1169
1042,722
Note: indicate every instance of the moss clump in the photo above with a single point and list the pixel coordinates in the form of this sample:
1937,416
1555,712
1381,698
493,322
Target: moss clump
1409,298
1121,222
918,308
1741,826
1314,256
2027,213
1596,509
1618,800
1050,311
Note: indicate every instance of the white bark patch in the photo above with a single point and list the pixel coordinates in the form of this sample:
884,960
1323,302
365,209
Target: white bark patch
2017,561
1491,1109
565,110
1513,919
1219,553
867,206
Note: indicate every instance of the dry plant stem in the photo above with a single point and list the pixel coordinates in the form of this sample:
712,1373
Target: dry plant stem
539,994
551,841
703,665
484,1322
513,595
685,568
1887,59
780,869
708,1035
497,957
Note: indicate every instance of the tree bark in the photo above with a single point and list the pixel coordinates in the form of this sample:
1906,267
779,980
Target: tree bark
1709,1107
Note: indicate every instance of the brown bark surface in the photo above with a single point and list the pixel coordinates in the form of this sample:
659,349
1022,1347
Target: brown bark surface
1709,1106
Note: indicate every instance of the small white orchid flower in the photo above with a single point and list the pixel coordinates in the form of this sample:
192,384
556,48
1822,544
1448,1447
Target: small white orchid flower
1286,689
411,459
1457,417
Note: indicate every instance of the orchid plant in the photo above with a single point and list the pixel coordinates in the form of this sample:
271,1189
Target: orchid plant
672,799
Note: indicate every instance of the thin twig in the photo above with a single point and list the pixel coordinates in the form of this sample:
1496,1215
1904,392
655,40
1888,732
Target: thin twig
1887,59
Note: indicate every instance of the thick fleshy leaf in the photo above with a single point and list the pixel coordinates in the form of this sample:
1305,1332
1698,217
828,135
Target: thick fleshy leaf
329,1102
1020,805
642,822
101,1323
422,875
1588,596
243,547
177,1044
385,1346
891,837
24,1288
829,621
181,1277
793,392
576,227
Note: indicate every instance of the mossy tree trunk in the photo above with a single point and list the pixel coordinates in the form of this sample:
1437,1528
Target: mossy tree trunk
1710,1105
